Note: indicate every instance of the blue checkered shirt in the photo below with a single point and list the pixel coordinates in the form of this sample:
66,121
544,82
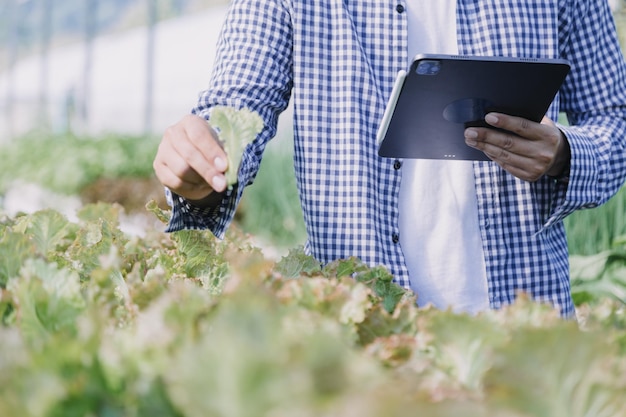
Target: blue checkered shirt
337,61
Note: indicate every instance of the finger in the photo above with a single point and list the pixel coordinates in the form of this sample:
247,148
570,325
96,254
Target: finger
521,157
169,157
205,140
540,141
520,165
194,191
178,156
500,144
189,163
522,127
520,172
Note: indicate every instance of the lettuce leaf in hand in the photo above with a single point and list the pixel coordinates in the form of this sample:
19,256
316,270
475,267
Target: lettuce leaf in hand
236,129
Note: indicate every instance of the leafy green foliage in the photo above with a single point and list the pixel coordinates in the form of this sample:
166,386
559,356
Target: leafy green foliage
49,299
48,229
236,129
15,248
66,164
596,230
518,379
378,279
600,275
270,208
95,322
297,263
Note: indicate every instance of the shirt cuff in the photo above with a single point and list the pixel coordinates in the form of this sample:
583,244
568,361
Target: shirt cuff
577,187
215,218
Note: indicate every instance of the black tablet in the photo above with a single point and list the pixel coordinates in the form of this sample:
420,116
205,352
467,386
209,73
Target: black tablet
440,95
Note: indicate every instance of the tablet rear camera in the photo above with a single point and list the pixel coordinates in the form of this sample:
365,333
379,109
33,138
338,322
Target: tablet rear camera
428,67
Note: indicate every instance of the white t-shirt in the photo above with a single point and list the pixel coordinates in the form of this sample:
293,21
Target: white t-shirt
439,230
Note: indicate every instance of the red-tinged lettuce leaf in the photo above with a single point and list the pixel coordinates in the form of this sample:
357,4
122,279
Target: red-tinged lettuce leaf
93,240
200,256
162,215
98,233
557,371
377,278
322,295
525,312
343,300
264,363
380,323
461,345
392,351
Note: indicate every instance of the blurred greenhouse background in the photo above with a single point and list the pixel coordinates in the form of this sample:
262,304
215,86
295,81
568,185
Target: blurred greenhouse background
98,66
87,87
94,66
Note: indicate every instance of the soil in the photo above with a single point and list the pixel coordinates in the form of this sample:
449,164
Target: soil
131,193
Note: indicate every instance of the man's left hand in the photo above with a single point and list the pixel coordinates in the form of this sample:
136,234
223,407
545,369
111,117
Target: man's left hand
524,148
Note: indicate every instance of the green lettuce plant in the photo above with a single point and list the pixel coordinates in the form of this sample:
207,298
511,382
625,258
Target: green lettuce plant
95,322
236,129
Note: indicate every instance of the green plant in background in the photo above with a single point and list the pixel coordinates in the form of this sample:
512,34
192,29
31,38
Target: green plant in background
596,236
601,275
67,163
620,21
596,230
270,208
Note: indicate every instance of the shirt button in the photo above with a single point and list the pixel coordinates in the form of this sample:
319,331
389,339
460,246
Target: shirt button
400,8
395,238
397,164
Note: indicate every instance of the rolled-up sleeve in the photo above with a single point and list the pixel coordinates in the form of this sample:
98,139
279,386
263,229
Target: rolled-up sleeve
253,71
594,99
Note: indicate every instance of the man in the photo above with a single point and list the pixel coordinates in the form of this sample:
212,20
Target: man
466,235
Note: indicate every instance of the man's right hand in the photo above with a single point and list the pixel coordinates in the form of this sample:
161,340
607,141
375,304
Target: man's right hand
190,160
